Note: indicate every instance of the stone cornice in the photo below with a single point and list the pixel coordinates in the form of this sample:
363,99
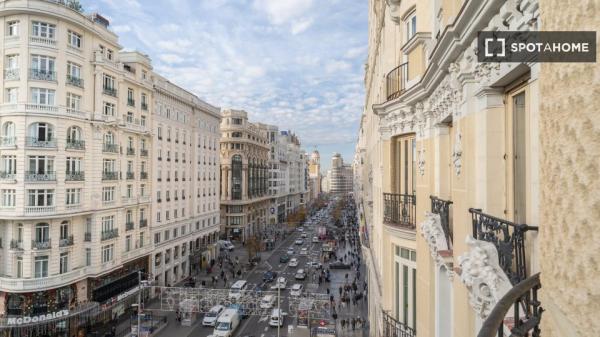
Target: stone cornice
420,38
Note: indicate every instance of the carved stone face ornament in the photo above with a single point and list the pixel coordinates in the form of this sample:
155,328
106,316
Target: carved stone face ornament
457,153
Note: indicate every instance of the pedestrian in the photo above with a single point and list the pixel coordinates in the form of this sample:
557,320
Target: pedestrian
343,323
331,299
353,324
340,290
327,291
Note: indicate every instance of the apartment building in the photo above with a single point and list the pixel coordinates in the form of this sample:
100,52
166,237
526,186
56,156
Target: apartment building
458,160
244,176
185,184
315,176
75,165
339,176
288,186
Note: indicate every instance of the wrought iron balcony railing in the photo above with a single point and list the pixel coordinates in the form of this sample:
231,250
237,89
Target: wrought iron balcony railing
130,175
442,208
66,242
42,75
74,176
131,102
143,175
144,152
16,245
36,142
110,91
110,234
8,141
399,210
143,223
509,239
75,144
527,312
112,148
394,328
40,176
87,237
144,106
395,81
129,225
110,175
4,175
130,151
11,74
40,245
75,81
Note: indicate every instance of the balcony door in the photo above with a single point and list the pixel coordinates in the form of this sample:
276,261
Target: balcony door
517,137
404,166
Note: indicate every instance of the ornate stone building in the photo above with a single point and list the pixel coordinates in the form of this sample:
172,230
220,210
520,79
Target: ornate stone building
244,176
315,175
456,204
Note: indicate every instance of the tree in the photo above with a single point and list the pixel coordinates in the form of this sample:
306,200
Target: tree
252,246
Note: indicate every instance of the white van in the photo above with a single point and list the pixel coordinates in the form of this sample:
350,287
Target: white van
276,318
267,302
227,323
236,289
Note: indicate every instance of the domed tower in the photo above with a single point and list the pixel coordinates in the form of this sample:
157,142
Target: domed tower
315,158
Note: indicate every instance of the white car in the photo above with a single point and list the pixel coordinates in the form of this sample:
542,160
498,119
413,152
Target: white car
299,242
296,289
280,283
304,251
300,229
267,302
313,264
211,316
300,274
293,262
290,251
304,235
315,239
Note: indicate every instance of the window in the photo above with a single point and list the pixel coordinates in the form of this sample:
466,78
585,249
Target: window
156,238
236,121
73,196
88,256
130,95
43,29
157,216
64,263
141,240
129,193
108,109
411,26
43,64
109,54
40,197
130,117
128,243
12,61
19,266
109,165
41,266
74,39
8,164
8,198
12,95
144,74
167,235
43,96
143,120
107,253
108,193
109,82
12,28
73,70
108,223
236,175
159,132
73,101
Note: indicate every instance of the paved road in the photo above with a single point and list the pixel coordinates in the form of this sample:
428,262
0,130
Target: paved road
258,325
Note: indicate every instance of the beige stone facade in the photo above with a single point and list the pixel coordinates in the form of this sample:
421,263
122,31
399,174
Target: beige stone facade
458,197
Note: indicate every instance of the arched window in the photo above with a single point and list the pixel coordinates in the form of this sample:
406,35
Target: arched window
41,131
8,130
236,177
73,134
109,138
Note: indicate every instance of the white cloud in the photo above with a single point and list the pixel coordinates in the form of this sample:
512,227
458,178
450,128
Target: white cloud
337,66
121,28
171,58
299,26
282,11
175,46
356,52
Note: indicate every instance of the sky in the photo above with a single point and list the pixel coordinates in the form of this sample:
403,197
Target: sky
297,64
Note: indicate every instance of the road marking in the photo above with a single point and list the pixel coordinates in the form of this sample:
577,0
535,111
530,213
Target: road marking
266,329
263,319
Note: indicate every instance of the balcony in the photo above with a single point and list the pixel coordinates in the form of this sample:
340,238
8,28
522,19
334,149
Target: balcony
399,210
73,144
129,225
74,176
33,176
395,328
130,176
16,245
144,152
110,234
87,237
38,284
109,91
75,81
143,223
131,102
144,106
110,175
39,210
66,242
144,175
41,143
130,151
10,176
8,141
395,81
41,245
42,41
11,74
442,208
42,75
110,148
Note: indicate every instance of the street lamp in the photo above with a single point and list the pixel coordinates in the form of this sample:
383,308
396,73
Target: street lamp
141,285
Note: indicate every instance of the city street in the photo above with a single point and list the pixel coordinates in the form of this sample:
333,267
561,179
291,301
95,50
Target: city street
259,325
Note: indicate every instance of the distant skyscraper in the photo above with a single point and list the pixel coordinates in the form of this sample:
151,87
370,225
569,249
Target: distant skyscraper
339,176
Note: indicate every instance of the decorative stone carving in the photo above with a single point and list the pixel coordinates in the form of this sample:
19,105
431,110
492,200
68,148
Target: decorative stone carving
432,232
394,10
457,153
421,160
481,274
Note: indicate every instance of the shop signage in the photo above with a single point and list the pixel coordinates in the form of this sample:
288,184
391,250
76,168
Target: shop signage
35,319
127,293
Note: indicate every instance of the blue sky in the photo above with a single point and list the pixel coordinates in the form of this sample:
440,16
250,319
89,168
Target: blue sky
298,64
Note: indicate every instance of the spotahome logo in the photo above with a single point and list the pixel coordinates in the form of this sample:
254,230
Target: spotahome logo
511,46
